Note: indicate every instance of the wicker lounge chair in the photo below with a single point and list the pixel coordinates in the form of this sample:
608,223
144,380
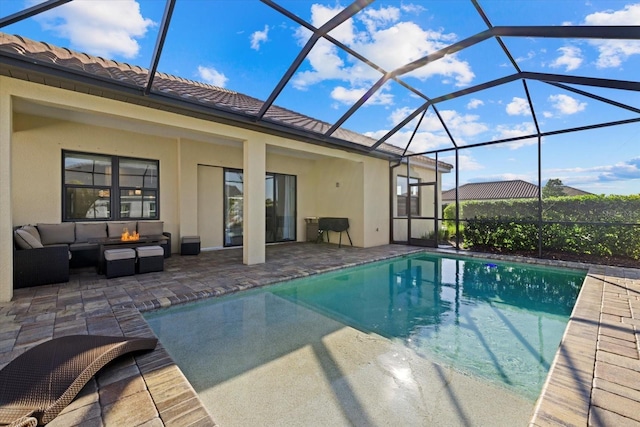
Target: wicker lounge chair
41,382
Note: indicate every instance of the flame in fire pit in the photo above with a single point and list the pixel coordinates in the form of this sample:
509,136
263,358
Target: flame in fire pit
126,237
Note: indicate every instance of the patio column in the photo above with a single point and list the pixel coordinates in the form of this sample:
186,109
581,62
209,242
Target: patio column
6,234
254,173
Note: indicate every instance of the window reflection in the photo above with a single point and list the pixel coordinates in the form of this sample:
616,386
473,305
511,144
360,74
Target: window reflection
109,187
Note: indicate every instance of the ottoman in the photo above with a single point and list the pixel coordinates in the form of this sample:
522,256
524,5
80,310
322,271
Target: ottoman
150,258
119,262
190,245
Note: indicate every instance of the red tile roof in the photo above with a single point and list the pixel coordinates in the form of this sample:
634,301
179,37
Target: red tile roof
135,77
500,190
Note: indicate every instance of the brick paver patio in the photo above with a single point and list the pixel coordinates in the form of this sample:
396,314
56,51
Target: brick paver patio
595,379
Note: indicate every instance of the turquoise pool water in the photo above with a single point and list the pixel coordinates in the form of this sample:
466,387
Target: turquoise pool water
497,323
500,321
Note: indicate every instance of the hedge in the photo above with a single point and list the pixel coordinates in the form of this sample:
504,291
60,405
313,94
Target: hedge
513,224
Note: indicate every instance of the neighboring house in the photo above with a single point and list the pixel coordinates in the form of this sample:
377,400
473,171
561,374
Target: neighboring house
500,190
79,141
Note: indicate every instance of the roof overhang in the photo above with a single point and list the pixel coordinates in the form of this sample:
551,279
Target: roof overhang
29,69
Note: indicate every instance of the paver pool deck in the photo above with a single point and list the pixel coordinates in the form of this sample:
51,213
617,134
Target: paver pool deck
594,379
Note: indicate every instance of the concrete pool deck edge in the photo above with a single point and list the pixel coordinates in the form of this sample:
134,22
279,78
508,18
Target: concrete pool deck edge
595,376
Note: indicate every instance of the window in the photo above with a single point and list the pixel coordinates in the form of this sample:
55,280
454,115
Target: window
402,192
105,187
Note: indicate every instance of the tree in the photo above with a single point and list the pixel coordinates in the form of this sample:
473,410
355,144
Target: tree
553,188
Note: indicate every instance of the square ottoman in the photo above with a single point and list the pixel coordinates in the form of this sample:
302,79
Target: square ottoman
190,245
150,258
119,262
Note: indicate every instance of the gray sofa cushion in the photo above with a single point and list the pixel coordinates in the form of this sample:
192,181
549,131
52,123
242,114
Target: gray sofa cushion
50,234
117,228
25,240
83,247
33,231
90,230
150,228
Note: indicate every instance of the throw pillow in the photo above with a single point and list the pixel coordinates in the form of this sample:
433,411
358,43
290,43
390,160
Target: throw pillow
32,230
25,240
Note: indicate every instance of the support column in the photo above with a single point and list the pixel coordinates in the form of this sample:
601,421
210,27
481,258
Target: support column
6,233
254,173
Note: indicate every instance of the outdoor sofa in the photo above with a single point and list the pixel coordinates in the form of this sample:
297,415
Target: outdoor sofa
43,253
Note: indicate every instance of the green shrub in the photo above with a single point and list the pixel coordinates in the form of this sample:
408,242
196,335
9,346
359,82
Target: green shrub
512,225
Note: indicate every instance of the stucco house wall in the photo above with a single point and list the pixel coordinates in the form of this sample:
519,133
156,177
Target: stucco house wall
41,121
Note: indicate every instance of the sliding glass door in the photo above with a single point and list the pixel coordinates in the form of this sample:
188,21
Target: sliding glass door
233,207
280,207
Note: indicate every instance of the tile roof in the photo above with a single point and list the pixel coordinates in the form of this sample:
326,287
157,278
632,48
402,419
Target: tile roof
500,190
203,94
516,189
570,191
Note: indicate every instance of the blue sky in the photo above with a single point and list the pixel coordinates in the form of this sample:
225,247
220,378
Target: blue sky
246,46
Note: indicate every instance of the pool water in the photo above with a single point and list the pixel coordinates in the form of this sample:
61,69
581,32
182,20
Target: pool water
422,334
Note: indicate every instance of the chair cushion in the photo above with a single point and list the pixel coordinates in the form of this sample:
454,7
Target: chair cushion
150,228
25,240
116,228
149,251
51,234
90,230
116,254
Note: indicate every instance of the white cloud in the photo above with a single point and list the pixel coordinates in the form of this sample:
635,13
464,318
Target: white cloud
399,114
381,36
571,58
405,42
412,8
514,131
613,52
462,125
530,55
325,64
320,15
259,37
431,134
376,18
99,27
350,96
430,122
621,177
474,103
518,107
212,76
422,141
465,162
622,171
566,105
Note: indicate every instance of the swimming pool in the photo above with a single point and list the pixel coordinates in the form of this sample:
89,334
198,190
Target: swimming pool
413,340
